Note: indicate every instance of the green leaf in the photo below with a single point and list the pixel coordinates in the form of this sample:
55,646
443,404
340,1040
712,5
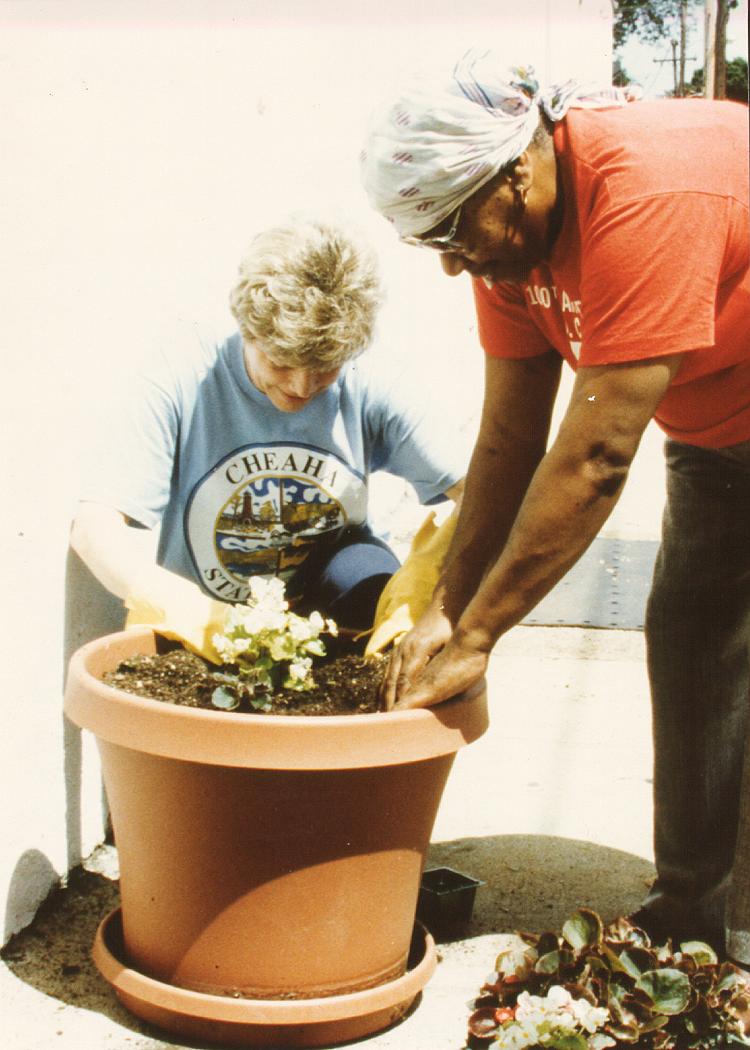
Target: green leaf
572,1041
282,648
224,699
656,1022
703,953
548,942
549,963
668,990
612,959
636,960
598,967
664,1040
225,676
624,1033
297,685
728,978
630,965
619,1011
583,929
482,1023
599,1041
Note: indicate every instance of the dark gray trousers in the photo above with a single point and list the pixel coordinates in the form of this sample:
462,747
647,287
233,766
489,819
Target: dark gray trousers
698,641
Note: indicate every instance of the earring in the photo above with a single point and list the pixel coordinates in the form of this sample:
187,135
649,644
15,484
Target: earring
520,196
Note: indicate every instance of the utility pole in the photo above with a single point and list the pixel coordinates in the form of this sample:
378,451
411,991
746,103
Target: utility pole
720,52
678,66
709,62
683,44
679,52
715,63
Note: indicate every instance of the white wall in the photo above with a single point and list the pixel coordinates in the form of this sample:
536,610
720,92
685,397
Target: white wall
142,144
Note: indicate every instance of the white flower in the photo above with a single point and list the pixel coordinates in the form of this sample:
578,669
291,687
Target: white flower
230,648
300,629
515,1037
558,998
253,619
267,591
535,1007
589,1017
263,635
601,1042
299,669
221,643
543,1020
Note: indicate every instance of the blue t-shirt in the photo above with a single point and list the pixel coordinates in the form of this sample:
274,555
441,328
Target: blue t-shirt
240,488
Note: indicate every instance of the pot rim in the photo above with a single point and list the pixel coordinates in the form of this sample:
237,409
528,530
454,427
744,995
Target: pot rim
262,741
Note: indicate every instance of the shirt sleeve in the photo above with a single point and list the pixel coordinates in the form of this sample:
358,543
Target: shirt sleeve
650,273
133,457
414,434
505,328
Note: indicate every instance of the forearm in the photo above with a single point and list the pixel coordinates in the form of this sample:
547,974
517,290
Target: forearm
549,535
519,396
115,553
495,486
573,491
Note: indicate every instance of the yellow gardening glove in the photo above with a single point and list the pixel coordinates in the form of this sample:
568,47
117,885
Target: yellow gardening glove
408,592
177,609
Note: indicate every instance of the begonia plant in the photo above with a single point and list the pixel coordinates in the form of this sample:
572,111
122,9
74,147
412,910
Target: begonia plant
594,987
266,647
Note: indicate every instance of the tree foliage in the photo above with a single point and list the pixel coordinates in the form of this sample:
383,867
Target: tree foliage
737,80
649,20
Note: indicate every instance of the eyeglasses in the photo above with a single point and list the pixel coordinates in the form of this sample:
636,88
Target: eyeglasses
446,242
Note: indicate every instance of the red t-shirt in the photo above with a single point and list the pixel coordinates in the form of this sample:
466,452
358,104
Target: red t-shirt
652,259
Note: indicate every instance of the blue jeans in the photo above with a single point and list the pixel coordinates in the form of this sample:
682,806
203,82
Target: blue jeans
698,641
344,576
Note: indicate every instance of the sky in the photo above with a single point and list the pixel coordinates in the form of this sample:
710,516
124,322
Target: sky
645,64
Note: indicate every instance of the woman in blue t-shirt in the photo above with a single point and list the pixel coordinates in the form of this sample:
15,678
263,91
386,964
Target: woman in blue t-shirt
251,455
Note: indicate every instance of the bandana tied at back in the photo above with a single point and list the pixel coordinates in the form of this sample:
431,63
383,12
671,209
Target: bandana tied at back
439,142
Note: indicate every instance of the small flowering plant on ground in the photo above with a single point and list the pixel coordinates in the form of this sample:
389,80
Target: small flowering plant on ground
596,987
270,647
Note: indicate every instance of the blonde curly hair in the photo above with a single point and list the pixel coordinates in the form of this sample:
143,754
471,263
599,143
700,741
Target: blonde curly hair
308,293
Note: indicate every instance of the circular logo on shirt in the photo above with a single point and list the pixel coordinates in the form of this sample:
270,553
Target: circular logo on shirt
261,510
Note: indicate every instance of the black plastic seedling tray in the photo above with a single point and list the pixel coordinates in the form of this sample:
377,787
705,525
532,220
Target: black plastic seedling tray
446,899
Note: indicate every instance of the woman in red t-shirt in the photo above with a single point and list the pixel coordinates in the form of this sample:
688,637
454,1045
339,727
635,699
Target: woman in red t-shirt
614,237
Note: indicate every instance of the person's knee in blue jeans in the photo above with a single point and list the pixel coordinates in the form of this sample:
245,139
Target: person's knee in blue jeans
345,579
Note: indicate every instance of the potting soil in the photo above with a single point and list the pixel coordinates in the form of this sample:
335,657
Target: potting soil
344,684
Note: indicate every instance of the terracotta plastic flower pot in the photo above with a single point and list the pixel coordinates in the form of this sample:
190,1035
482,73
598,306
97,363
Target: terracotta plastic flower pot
265,858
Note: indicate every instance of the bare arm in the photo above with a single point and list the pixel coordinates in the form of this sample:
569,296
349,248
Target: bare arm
518,401
572,492
115,552
123,558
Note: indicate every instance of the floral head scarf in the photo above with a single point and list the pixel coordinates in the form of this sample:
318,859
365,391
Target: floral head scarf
439,142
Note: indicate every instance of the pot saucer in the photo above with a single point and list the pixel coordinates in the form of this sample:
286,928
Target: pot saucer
261,1022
